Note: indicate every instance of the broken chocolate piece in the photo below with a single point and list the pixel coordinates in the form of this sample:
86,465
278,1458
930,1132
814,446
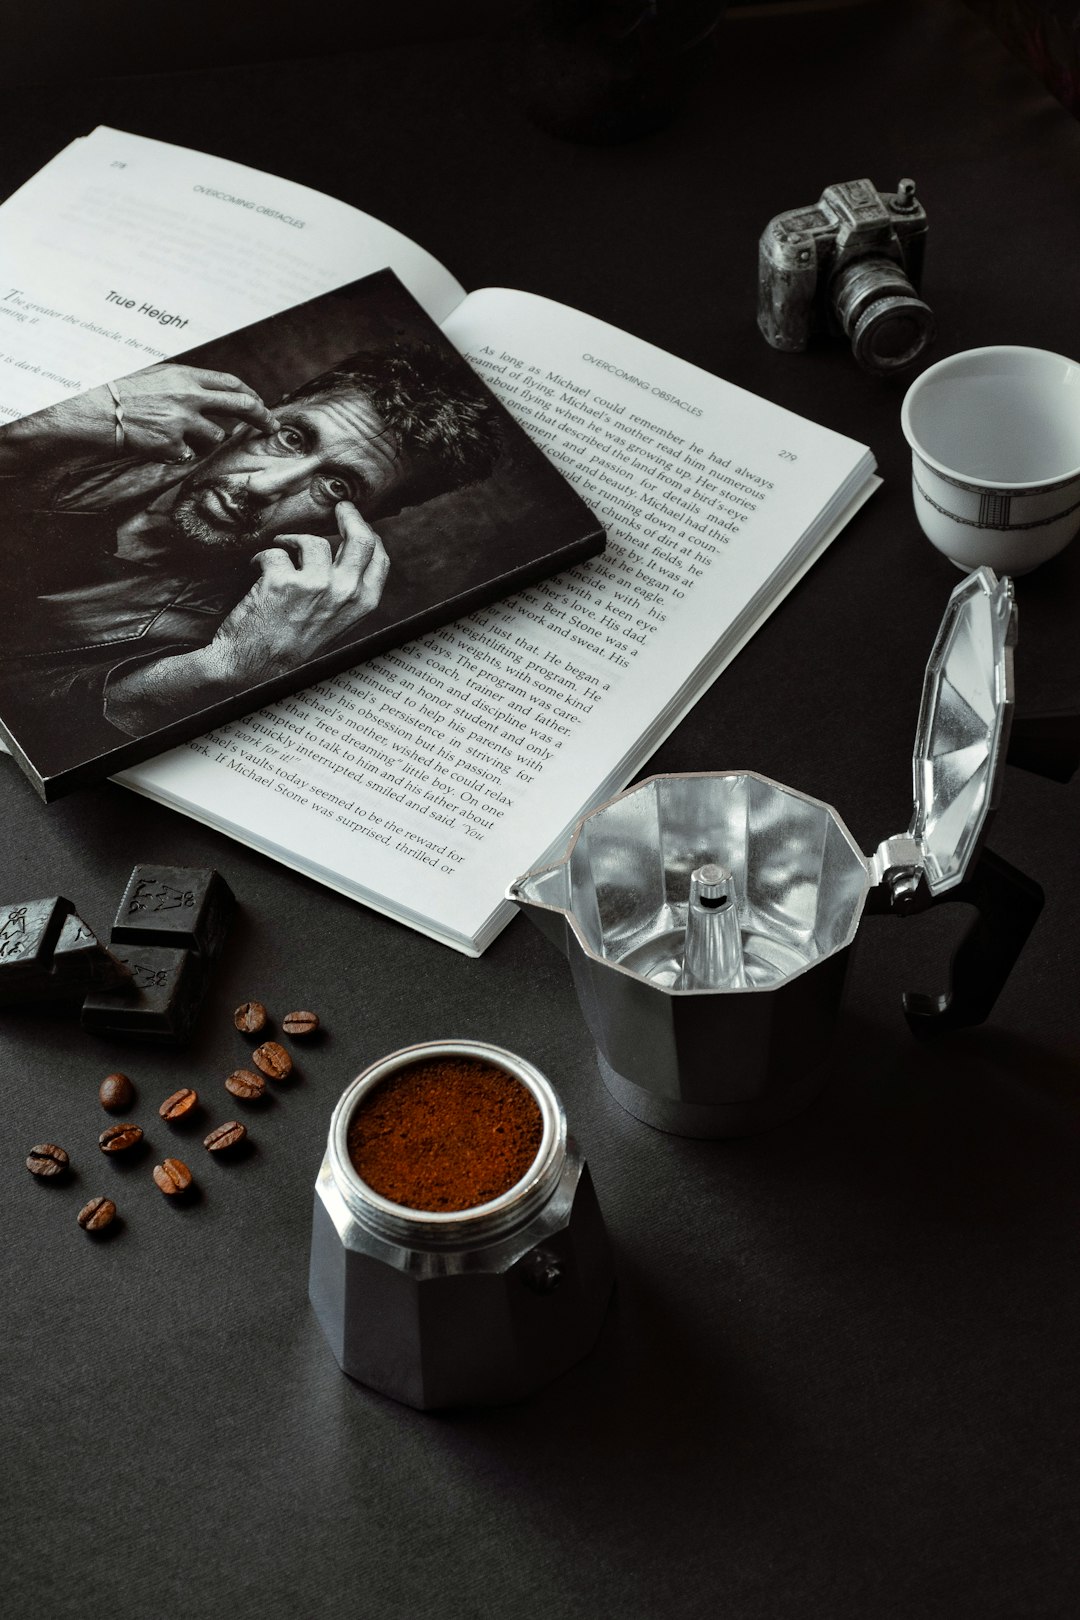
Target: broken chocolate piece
47,953
81,962
29,931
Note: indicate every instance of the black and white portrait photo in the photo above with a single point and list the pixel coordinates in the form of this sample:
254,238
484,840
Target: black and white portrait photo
189,541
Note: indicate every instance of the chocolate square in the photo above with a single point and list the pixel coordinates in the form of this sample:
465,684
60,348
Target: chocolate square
163,1001
187,906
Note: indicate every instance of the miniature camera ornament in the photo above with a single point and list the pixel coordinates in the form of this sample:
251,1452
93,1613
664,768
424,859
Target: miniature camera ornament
850,265
708,918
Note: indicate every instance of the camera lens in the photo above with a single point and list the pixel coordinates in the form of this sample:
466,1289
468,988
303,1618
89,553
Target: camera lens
886,321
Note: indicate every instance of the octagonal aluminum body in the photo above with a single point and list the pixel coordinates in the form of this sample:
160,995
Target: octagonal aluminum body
742,1052
473,1308
698,1061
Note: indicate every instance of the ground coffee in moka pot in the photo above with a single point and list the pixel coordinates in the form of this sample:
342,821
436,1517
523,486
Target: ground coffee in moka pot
447,1133
458,1254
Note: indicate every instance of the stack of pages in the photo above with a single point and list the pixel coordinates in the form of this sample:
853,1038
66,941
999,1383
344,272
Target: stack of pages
423,782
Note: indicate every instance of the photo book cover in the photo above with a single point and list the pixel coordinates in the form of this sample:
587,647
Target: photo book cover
193,541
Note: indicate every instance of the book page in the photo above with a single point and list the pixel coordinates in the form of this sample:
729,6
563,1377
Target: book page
123,251
431,778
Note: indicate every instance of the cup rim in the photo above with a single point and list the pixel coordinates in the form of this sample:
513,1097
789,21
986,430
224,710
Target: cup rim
971,480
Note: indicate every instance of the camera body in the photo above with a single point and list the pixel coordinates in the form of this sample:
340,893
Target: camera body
850,264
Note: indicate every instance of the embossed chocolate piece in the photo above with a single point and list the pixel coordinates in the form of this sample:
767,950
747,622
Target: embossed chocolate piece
163,1004
186,906
29,931
47,953
170,927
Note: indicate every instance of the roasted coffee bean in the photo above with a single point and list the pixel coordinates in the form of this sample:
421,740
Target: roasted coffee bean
118,1138
226,1136
172,1177
47,1160
250,1017
116,1093
180,1103
273,1060
96,1215
300,1023
246,1085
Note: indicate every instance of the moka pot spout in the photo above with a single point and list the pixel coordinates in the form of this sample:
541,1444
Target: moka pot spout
544,896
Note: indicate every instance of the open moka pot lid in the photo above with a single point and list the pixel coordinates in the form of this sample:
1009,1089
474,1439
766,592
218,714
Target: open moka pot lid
707,917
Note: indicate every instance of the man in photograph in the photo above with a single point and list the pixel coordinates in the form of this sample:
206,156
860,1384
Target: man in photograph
136,514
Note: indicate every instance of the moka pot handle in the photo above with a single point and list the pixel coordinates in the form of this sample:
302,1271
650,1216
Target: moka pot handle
1007,905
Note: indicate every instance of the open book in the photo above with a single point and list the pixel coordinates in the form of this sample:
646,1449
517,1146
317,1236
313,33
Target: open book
424,782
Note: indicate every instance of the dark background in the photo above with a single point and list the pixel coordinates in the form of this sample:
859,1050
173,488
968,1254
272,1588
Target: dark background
839,1376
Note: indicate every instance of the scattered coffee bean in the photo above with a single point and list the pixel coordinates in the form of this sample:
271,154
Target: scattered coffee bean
96,1215
226,1136
246,1085
116,1093
118,1138
250,1017
273,1060
300,1023
172,1177
180,1103
47,1160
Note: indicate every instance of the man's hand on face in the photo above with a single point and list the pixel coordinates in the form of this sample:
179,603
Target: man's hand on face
305,599
172,412
168,413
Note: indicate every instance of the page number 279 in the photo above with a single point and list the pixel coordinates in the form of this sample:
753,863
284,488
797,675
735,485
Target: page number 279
788,455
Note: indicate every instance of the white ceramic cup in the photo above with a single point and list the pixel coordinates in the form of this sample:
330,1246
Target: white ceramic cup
995,456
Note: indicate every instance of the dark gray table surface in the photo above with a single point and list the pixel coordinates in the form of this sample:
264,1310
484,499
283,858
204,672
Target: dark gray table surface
839,1378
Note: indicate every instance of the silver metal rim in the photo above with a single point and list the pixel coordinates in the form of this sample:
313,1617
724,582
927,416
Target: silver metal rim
497,1217
512,892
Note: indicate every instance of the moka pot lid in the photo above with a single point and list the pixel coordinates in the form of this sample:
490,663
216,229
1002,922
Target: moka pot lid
962,736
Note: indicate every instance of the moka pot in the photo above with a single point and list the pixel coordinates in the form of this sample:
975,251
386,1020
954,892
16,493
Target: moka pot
708,918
